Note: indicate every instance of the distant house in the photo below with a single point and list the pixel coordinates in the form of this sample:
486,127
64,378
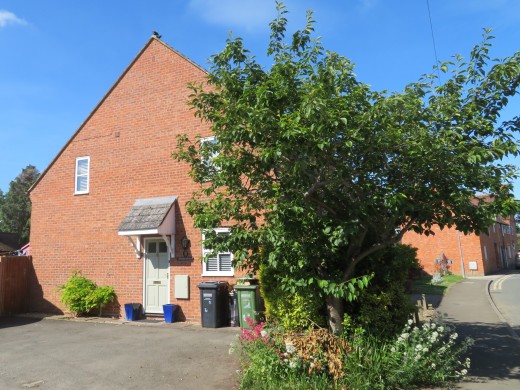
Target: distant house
112,203
476,255
8,243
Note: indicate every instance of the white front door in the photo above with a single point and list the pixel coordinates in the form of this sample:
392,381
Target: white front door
156,276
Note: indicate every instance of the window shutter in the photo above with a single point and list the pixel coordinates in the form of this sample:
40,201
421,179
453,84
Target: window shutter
225,261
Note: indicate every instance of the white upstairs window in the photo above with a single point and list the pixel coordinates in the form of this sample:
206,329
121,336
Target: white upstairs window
221,263
82,179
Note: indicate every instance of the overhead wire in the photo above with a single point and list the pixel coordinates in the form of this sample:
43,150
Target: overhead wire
433,41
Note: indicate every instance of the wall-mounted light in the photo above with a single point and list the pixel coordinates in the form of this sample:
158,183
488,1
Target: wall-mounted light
185,243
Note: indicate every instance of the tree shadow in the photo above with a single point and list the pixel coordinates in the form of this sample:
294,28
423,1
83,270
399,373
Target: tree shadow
495,354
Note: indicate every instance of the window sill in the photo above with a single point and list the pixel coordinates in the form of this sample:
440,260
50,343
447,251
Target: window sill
213,274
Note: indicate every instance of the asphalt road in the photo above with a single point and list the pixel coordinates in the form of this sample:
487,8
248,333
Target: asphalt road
65,354
505,292
495,355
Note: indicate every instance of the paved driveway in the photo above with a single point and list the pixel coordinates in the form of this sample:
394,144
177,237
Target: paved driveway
65,354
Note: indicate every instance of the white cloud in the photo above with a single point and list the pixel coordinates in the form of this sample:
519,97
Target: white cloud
248,14
7,17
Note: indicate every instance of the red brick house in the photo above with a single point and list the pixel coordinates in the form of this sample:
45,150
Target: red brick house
480,255
112,202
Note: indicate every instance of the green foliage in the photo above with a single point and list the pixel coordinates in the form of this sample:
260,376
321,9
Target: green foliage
81,295
420,356
384,306
338,171
428,355
272,359
15,206
301,309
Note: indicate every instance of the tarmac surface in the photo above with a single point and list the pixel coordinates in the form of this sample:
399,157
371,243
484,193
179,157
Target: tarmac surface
99,353
495,356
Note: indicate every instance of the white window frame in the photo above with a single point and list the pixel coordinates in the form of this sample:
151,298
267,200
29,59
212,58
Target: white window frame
205,251
76,191
204,140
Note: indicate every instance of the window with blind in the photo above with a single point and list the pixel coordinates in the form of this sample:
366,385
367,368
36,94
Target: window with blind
221,263
82,179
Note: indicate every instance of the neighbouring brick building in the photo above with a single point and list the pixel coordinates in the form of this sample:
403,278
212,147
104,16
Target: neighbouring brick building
481,255
112,202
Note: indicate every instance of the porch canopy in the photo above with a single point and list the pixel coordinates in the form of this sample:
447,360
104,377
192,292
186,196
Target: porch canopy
150,216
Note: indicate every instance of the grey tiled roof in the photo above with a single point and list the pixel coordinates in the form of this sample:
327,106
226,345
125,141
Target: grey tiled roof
147,213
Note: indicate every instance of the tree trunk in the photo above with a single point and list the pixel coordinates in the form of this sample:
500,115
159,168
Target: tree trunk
335,311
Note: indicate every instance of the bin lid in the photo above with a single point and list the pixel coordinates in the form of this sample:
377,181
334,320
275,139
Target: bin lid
246,287
213,284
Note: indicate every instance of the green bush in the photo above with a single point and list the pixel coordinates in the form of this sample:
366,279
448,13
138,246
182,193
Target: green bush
384,306
421,356
81,295
301,309
273,359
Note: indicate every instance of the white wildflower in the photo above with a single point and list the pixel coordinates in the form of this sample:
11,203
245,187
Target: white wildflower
418,347
440,329
464,372
410,322
433,365
264,333
290,347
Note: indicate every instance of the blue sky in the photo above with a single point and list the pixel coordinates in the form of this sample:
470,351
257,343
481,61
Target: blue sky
58,58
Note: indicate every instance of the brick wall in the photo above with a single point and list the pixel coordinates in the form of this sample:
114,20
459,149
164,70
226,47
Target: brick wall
129,137
483,249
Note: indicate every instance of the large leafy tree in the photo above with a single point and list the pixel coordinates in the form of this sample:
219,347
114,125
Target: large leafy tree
15,210
314,171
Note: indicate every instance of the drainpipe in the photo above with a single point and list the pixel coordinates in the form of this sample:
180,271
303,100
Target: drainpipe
461,258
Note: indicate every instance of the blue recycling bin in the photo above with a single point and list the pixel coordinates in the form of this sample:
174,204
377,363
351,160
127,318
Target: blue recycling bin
132,311
170,312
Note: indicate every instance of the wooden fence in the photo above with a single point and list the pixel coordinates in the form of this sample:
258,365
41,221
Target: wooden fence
14,275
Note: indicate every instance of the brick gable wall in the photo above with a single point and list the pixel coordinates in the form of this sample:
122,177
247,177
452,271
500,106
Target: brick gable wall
129,138
483,249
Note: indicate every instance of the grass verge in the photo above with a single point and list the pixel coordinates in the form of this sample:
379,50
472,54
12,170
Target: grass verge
424,284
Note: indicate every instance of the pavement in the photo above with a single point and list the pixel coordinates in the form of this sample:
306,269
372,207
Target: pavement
495,356
98,353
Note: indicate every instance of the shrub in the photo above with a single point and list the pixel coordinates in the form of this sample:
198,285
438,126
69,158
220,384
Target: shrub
384,306
429,355
272,359
421,356
301,309
81,295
